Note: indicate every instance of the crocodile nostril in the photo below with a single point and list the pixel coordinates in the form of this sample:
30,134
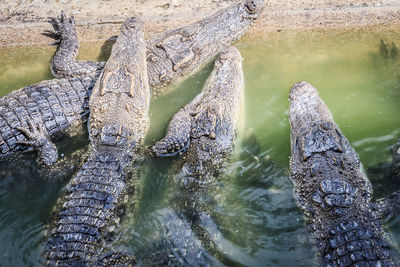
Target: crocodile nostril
251,6
133,23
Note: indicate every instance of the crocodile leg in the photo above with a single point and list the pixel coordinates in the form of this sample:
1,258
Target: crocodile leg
177,139
64,63
65,167
180,129
171,54
37,138
331,188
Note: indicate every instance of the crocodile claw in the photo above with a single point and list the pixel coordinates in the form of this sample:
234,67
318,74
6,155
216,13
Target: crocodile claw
51,34
36,138
56,43
62,27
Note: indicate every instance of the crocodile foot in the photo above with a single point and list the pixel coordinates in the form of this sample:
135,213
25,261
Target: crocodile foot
62,26
37,138
170,146
177,140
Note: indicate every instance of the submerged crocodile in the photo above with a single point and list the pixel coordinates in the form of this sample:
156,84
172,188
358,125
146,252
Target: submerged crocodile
396,159
386,51
180,245
204,131
332,189
96,197
57,105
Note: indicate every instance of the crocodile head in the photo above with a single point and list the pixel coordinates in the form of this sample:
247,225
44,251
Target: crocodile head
215,111
206,126
312,127
121,96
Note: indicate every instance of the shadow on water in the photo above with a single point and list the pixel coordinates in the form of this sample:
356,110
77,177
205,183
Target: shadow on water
105,49
386,63
27,197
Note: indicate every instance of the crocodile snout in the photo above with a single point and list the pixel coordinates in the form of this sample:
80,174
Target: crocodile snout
134,23
307,110
231,53
254,6
302,90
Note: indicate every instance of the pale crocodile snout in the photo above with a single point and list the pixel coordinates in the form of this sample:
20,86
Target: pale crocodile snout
304,99
133,23
254,6
230,54
302,90
306,107
228,85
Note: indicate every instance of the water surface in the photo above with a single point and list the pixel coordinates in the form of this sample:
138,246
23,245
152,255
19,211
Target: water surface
254,213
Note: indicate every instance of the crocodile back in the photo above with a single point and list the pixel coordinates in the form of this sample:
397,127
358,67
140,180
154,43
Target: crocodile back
53,105
93,203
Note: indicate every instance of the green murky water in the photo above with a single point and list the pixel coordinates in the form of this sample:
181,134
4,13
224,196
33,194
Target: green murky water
256,217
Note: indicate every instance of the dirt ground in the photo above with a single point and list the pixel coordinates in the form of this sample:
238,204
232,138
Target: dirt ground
22,21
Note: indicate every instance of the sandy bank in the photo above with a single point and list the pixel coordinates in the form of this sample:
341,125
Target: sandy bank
22,21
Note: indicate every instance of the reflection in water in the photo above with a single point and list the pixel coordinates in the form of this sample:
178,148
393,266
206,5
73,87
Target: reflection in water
254,219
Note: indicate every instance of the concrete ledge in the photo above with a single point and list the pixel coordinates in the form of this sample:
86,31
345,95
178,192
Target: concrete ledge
22,21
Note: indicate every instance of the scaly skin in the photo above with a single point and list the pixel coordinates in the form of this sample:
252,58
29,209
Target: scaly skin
178,52
170,55
332,189
182,51
204,130
96,197
52,106
64,63
181,247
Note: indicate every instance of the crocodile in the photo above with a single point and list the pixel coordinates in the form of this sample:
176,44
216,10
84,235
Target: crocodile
331,188
171,54
179,246
57,105
204,131
95,199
